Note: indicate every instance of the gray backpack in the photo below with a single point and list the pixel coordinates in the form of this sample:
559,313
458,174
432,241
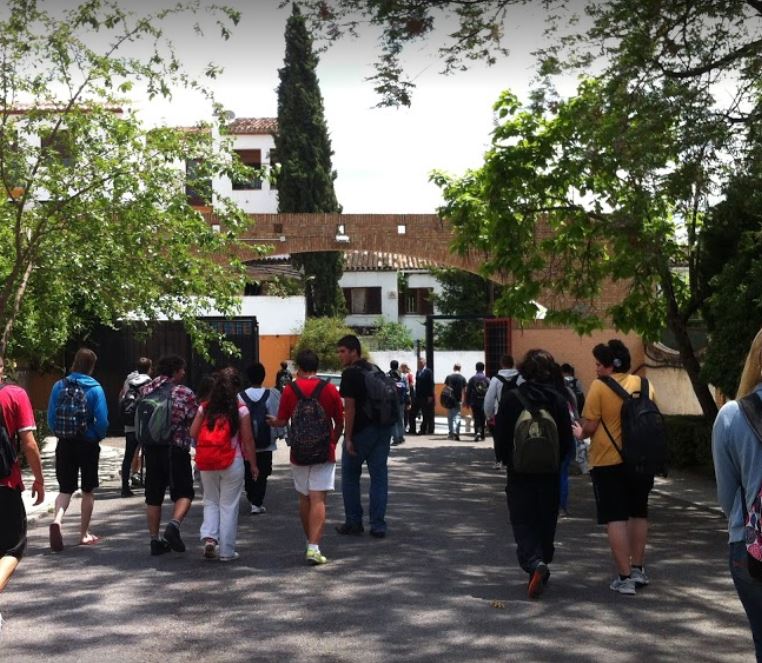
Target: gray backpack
536,449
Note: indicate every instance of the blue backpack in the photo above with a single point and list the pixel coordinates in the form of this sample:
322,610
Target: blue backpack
72,415
258,413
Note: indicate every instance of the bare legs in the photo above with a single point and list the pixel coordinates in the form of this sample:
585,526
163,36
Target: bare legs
312,515
627,539
153,514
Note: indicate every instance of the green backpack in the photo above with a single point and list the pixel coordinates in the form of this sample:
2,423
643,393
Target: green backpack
536,449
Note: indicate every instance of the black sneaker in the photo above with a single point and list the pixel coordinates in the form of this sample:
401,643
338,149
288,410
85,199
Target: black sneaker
172,535
136,481
159,546
126,492
347,528
378,533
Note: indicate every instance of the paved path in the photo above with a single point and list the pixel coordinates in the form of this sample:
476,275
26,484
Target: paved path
443,586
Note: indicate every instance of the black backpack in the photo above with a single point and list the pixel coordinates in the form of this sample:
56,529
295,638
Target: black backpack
128,404
7,447
310,429
258,414
644,434
382,404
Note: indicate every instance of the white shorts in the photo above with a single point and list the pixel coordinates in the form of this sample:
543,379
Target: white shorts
313,477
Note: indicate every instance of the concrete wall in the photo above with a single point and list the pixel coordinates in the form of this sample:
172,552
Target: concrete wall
251,201
387,281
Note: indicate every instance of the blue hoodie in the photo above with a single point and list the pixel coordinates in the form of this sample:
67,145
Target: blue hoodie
96,404
737,465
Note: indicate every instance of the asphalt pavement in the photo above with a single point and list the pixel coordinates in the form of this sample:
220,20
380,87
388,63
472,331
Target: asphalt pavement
443,586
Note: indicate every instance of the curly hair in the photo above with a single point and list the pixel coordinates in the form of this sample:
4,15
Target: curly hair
614,353
223,399
539,366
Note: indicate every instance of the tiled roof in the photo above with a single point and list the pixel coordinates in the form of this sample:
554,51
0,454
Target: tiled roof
365,261
254,125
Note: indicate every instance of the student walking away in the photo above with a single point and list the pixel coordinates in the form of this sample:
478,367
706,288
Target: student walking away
450,398
408,375
316,415
128,400
260,403
398,433
162,426
424,400
17,426
567,370
621,488
476,391
534,433
223,433
369,417
508,377
737,453
283,376
78,416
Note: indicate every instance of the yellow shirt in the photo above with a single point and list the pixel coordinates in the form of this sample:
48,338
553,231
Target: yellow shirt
602,404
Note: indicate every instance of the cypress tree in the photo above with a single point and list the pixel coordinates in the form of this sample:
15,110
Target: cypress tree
305,182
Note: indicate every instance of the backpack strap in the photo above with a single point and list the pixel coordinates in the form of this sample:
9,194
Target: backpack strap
316,391
751,407
618,389
246,399
297,391
525,403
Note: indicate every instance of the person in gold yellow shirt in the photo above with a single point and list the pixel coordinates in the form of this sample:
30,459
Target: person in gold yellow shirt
621,495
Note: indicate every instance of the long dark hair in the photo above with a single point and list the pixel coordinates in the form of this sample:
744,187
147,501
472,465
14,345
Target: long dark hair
223,399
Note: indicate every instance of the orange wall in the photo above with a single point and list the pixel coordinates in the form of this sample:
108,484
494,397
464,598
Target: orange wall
272,351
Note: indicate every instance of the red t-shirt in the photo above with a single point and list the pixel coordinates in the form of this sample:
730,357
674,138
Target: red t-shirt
19,416
329,399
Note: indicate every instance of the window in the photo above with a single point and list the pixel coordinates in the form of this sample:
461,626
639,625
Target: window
274,161
416,301
252,159
363,300
198,188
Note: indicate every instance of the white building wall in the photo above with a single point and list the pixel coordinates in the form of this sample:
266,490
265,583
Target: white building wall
264,200
443,361
416,324
387,281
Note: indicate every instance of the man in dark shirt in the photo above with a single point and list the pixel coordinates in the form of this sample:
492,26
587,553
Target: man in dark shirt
457,383
364,442
424,400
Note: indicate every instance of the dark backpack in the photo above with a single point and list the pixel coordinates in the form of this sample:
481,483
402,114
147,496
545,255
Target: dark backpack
481,385
153,417
508,386
579,395
283,379
644,434
7,447
401,384
382,405
310,428
536,449
258,414
72,415
128,404
447,397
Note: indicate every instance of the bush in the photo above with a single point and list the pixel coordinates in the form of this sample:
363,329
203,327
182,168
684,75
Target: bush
41,419
390,336
322,335
689,441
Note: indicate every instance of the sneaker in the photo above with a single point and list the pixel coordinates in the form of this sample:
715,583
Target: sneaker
538,580
136,481
347,528
159,546
230,558
626,586
257,509
56,540
498,465
172,536
210,550
378,533
315,557
639,577
126,492
457,438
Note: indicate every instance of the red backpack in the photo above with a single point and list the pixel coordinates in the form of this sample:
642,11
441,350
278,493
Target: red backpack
214,448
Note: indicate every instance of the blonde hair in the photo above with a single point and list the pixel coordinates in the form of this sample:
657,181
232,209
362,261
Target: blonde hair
752,368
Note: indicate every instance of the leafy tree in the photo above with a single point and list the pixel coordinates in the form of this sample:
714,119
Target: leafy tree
322,336
462,294
94,220
391,336
305,180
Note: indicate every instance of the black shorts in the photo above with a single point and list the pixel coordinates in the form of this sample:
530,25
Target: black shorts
620,494
75,455
167,467
12,523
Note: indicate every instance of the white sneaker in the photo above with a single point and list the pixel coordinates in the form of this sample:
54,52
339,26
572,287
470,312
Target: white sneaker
258,509
639,577
626,586
232,558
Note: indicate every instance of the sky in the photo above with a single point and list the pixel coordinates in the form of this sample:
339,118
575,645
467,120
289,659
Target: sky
383,157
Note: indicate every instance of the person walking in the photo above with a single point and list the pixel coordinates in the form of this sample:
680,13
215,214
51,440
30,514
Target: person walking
78,415
365,442
18,421
452,400
737,454
223,433
476,391
398,433
283,376
621,494
533,492
128,397
508,377
424,400
316,413
168,462
260,402
408,375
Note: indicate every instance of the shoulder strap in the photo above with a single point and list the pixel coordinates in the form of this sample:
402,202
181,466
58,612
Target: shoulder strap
245,398
751,407
645,392
297,391
617,388
318,389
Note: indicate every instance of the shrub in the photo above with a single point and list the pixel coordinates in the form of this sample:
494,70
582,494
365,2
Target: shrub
322,336
689,441
391,336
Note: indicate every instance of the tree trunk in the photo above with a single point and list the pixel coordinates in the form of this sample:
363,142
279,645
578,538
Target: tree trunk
10,315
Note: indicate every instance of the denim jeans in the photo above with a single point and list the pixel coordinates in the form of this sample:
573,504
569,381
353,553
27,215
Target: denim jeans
565,462
453,420
372,447
398,429
749,591
222,495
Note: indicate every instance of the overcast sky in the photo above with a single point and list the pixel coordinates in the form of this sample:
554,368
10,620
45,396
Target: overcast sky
383,157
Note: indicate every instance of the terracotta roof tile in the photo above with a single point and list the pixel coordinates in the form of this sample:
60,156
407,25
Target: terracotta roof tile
254,125
366,261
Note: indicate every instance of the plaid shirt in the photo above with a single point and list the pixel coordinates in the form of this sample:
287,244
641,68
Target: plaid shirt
184,406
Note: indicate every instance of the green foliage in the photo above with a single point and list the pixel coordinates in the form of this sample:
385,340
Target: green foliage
283,286
322,336
463,293
390,336
689,441
305,180
95,222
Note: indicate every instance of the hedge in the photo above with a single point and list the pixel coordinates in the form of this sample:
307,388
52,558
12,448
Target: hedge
689,441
